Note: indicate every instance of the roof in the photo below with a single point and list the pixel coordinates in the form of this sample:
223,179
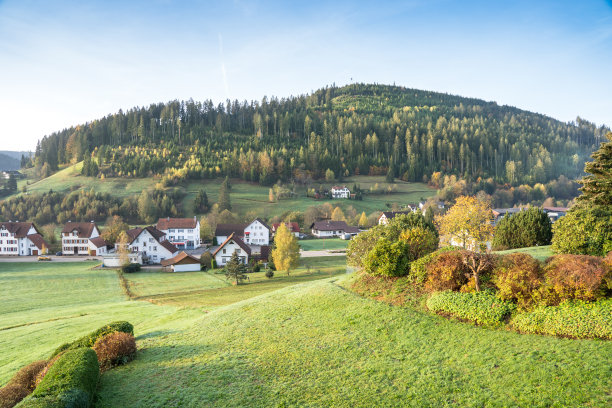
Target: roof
293,226
238,242
133,233
169,246
499,211
38,240
182,258
339,188
98,242
328,225
168,223
19,229
556,209
83,229
225,230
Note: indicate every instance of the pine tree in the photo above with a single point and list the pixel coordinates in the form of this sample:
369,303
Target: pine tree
597,186
224,202
200,203
235,269
286,252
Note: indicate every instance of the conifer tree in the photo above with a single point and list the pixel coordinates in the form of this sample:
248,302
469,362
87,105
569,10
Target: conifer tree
235,269
597,186
224,196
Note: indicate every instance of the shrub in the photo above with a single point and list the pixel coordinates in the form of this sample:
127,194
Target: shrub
115,349
90,339
130,268
420,242
479,307
576,319
11,394
360,245
388,258
418,268
575,277
526,228
206,260
71,381
446,272
26,377
269,274
256,267
518,278
213,264
583,231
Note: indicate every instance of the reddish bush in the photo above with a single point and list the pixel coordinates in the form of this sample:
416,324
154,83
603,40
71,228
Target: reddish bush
447,271
518,278
580,277
115,349
11,394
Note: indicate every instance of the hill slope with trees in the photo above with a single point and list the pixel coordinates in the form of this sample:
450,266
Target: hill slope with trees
357,129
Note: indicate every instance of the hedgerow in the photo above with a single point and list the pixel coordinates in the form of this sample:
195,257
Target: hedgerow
518,278
418,268
482,308
21,385
576,319
115,349
70,382
90,339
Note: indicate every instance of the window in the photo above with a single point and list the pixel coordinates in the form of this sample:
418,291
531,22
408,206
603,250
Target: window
224,250
150,239
180,230
190,230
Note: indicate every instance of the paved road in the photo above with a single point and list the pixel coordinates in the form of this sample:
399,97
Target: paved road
53,259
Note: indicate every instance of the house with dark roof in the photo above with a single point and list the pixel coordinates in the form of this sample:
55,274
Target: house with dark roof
387,216
183,233
256,232
499,213
151,244
230,245
183,262
330,229
76,238
21,238
294,227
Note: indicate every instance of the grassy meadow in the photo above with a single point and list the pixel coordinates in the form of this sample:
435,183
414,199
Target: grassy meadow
323,244
540,253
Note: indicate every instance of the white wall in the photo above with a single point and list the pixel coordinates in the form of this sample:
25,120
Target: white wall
256,234
186,268
224,255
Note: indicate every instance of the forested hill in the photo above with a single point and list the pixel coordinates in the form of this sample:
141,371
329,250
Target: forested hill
356,129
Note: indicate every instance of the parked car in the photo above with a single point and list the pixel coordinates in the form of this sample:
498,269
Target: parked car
44,258
58,253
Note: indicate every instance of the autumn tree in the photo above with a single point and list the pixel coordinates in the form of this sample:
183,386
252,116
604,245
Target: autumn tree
114,227
286,252
468,223
363,220
338,215
123,249
330,175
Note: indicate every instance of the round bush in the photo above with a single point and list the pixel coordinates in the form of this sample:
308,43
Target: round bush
115,349
583,231
269,274
575,277
418,268
526,228
388,258
518,278
130,268
447,272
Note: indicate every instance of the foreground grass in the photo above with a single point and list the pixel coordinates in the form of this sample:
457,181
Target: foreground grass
210,290
318,345
540,253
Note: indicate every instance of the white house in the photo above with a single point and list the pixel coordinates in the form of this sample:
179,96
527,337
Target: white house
184,233
76,237
21,238
232,244
151,243
340,192
330,229
98,246
182,262
254,233
294,227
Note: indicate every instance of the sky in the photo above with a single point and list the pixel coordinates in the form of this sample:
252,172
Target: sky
64,63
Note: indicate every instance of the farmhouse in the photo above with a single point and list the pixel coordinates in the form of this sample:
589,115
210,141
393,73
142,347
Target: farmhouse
329,229
387,216
294,227
254,233
183,262
151,244
21,238
76,237
232,244
184,233
340,192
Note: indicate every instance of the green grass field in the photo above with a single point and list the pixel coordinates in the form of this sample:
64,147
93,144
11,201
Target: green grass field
540,253
302,340
321,244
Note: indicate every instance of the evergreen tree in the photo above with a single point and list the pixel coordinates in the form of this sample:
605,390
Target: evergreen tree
224,202
235,270
200,203
11,184
597,186
526,228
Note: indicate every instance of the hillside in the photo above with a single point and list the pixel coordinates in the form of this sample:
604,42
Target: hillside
358,129
8,162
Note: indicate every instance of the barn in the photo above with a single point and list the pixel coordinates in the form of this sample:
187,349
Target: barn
183,262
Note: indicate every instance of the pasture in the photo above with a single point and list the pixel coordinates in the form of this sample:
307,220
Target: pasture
323,244
540,253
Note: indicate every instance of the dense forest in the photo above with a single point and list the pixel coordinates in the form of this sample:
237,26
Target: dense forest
356,129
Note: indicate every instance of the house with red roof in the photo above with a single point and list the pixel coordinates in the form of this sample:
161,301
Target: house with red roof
183,233
256,232
183,262
151,244
21,238
294,227
232,244
77,236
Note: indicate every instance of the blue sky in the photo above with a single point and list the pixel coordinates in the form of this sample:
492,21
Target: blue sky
68,62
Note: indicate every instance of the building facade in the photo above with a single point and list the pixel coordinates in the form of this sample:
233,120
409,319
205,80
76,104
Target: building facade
151,244
225,251
183,233
331,229
340,192
255,233
76,238
21,239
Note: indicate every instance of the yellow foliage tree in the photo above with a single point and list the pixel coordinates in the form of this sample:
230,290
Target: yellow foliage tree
338,215
363,220
286,252
123,249
468,223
